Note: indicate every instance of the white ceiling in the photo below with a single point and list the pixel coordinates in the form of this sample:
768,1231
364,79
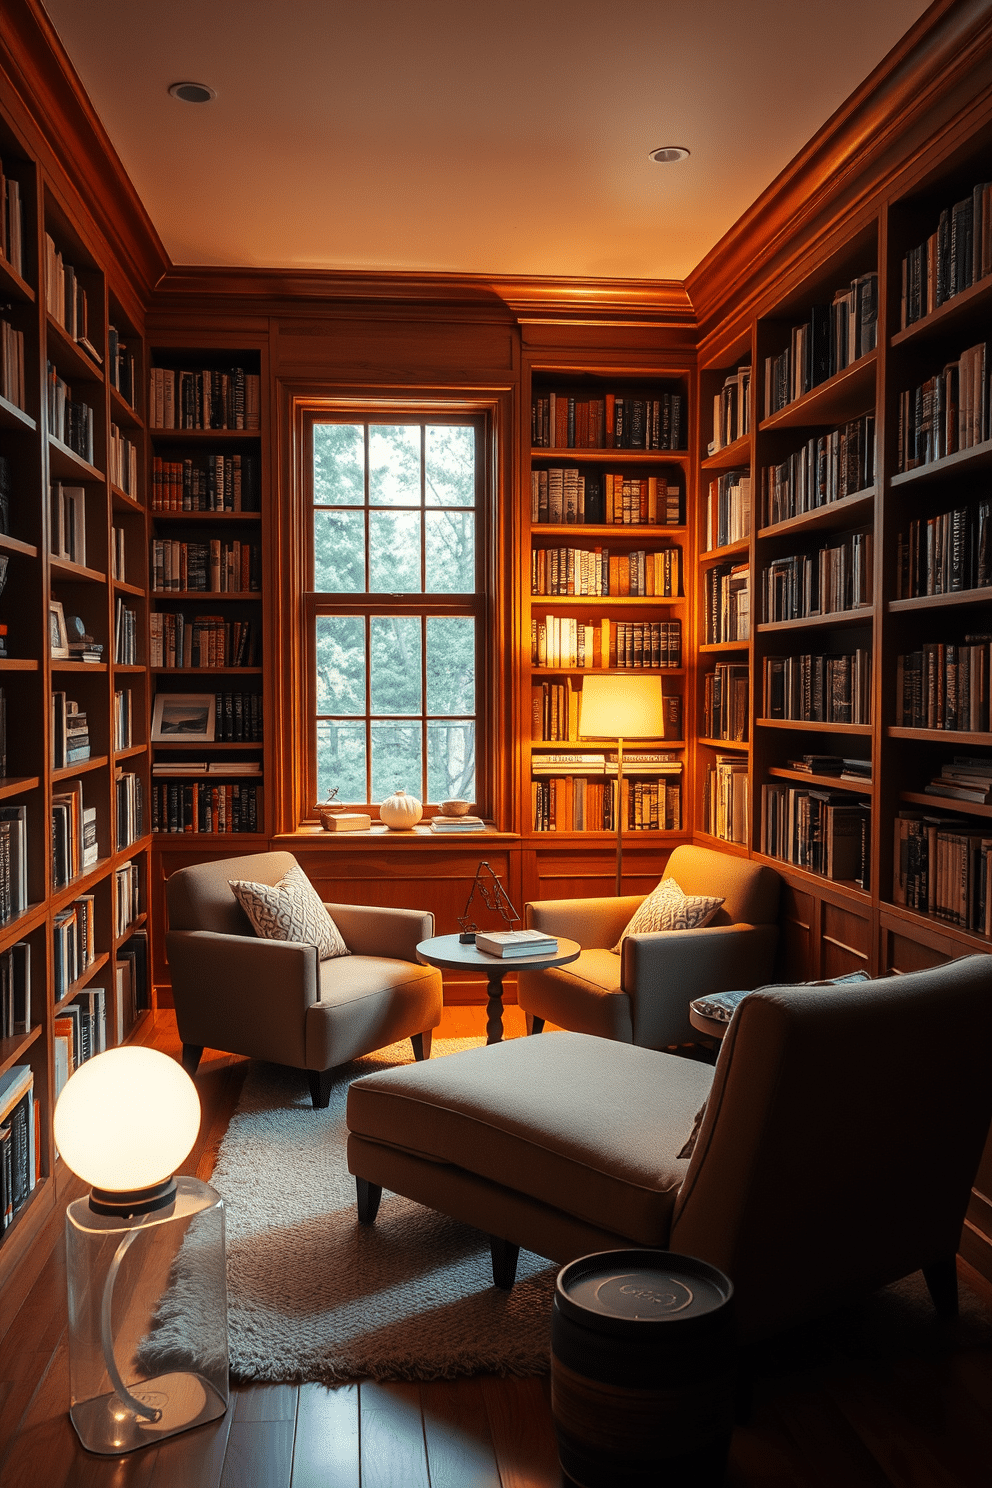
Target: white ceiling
444,135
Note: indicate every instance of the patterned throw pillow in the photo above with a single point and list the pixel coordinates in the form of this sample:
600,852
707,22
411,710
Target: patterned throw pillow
667,908
290,910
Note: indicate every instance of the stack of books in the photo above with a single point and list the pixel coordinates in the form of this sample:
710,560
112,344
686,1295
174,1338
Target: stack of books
508,943
456,824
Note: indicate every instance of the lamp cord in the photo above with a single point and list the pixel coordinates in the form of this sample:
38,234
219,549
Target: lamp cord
150,1413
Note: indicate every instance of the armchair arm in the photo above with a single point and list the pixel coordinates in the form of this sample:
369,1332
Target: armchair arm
241,994
370,930
663,973
596,924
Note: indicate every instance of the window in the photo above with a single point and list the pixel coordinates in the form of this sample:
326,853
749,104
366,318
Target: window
397,608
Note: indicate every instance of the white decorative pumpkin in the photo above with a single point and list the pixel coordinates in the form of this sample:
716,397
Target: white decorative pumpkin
401,811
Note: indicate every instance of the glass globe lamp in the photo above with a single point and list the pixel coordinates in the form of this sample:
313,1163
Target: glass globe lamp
148,1353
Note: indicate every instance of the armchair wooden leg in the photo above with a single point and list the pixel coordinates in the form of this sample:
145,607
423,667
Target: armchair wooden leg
422,1044
320,1087
369,1195
192,1054
942,1283
504,1256
534,1024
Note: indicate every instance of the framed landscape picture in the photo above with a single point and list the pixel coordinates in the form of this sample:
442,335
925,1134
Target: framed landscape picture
57,634
181,717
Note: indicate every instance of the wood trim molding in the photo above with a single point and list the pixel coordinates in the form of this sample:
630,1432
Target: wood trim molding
843,166
68,132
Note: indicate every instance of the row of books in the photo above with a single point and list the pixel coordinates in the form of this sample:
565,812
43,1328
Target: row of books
228,398
11,221
827,581
65,298
70,732
819,688
237,716
598,572
129,795
123,730
127,897
726,696
731,410
12,383
727,602
842,768
946,413
591,763
79,1031
576,803
131,980
615,421
230,769
728,509
213,567
942,867
204,806
966,777
13,861
15,990
944,685
555,712
563,641
122,462
6,488
125,634
121,365
957,254
834,336
212,483
821,831
73,942
202,641
70,421
826,468
74,833
727,800
19,1140
68,529
947,553
566,496
118,554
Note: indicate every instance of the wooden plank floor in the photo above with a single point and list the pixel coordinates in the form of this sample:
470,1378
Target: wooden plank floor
833,1411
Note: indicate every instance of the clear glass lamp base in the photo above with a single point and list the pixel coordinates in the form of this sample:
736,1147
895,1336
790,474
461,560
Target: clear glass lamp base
148,1353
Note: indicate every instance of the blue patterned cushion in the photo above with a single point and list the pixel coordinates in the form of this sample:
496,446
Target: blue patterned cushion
290,910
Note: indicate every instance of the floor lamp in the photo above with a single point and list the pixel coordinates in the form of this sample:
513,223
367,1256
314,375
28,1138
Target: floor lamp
613,707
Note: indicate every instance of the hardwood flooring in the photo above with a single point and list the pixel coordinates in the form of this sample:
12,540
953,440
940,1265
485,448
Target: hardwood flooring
868,1402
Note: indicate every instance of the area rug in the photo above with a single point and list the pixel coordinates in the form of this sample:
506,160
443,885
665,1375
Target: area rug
313,1295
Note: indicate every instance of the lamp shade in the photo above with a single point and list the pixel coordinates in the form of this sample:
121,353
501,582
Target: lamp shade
614,707
126,1119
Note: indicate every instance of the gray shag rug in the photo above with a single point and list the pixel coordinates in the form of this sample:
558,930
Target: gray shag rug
313,1295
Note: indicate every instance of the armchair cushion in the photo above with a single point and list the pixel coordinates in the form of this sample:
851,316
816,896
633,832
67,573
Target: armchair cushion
290,910
668,908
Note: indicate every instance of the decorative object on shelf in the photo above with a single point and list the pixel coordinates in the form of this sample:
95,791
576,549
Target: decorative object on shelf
124,1122
58,636
335,818
617,708
82,647
179,716
400,811
494,897
455,808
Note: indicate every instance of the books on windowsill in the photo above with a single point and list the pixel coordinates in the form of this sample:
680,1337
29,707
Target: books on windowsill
457,824
516,943
347,821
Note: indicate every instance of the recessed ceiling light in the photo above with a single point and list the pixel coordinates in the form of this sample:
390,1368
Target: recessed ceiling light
668,154
193,92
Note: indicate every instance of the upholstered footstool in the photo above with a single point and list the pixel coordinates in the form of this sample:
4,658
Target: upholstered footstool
565,1144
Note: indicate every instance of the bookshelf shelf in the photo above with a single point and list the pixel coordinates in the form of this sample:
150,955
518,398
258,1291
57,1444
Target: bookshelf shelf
122,412
717,648
70,356
729,550
945,803
67,465
956,311
95,667
123,502
13,1049
17,664
77,573
212,517
12,284
940,601
804,725
255,671
10,544
15,785
81,767
740,745
939,736
202,595
854,509
840,397
835,620
823,782
12,417
100,960
731,456
962,463
564,454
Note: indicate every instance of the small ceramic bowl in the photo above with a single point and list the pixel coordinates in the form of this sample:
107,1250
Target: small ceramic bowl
455,808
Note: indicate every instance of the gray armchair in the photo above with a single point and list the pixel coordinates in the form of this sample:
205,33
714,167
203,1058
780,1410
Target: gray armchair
274,1000
642,995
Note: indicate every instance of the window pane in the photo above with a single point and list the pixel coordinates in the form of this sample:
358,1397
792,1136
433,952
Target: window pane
397,759
450,664
341,761
394,552
449,466
395,664
338,464
451,761
339,552
394,465
340,664
450,552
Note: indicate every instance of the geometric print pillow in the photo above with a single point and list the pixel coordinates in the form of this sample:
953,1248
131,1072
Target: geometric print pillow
290,910
667,908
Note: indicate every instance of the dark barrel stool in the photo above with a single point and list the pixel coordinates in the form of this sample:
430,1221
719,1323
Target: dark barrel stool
643,1372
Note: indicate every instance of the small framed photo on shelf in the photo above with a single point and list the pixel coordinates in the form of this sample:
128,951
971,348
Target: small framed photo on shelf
181,717
58,636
